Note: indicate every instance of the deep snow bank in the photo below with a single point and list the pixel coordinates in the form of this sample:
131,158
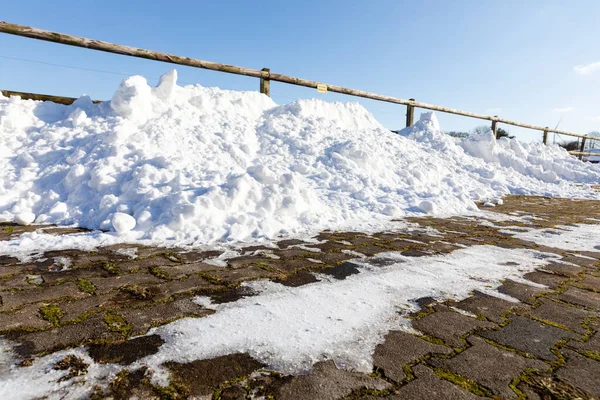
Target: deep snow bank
204,164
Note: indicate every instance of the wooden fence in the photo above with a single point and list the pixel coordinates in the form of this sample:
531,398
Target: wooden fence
265,75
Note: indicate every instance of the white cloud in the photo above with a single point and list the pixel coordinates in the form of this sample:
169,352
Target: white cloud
563,110
587,69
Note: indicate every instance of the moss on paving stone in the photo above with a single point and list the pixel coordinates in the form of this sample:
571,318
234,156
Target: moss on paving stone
51,313
116,323
86,286
159,273
465,383
111,268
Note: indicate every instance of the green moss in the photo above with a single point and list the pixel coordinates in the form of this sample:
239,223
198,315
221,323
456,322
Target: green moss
159,273
7,276
265,267
136,291
9,229
175,391
51,313
111,268
86,286
465,383
591,354
116,323
210,278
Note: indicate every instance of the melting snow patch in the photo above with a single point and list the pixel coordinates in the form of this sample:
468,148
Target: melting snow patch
341,320
573,237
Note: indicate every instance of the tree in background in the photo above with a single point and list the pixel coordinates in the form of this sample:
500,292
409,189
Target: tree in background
456,134
593,144
570,146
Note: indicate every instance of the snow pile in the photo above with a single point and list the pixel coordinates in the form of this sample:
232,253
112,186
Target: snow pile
194,164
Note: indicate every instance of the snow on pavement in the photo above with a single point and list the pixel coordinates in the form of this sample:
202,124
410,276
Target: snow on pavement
291,328
172,164
580,237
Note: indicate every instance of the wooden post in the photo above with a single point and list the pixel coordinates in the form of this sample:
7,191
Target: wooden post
582,148
265,82
546,135
495,126
410,114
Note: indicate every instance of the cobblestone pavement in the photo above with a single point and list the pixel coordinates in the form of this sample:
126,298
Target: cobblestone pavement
545,347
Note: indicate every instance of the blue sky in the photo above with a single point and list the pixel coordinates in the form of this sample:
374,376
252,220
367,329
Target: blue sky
530,61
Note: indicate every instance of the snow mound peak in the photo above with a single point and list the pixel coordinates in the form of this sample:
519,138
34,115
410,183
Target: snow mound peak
200,165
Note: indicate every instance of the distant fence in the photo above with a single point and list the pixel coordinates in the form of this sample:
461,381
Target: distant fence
265,75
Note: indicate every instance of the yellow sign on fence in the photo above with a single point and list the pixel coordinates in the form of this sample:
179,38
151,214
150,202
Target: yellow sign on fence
321,88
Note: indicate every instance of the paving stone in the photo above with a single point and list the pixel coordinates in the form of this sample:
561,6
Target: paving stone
529,336
341,271
74,308
52,278
229,295
449,325
553,281
521,291
325,382
581,372
125,353
487,306
27,317
187,285
590,282
545,386
91,329
233,393
568,270
104,285
567,316
428,386
528,391
581,261
492,367
131,385
233,276
143,318
299,278
202,377
401,348
179,271
592,344
580,297
11,300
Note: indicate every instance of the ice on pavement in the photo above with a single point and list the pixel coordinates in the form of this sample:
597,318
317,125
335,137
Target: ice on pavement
204,165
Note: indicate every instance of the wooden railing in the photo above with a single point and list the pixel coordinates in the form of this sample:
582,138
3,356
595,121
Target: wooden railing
265,75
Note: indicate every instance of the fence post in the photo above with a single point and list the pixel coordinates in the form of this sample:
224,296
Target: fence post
410,114
546,135
265,82
582,147
495,127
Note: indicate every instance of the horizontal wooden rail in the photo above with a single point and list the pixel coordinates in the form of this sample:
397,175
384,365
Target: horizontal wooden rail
265,74
41,97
